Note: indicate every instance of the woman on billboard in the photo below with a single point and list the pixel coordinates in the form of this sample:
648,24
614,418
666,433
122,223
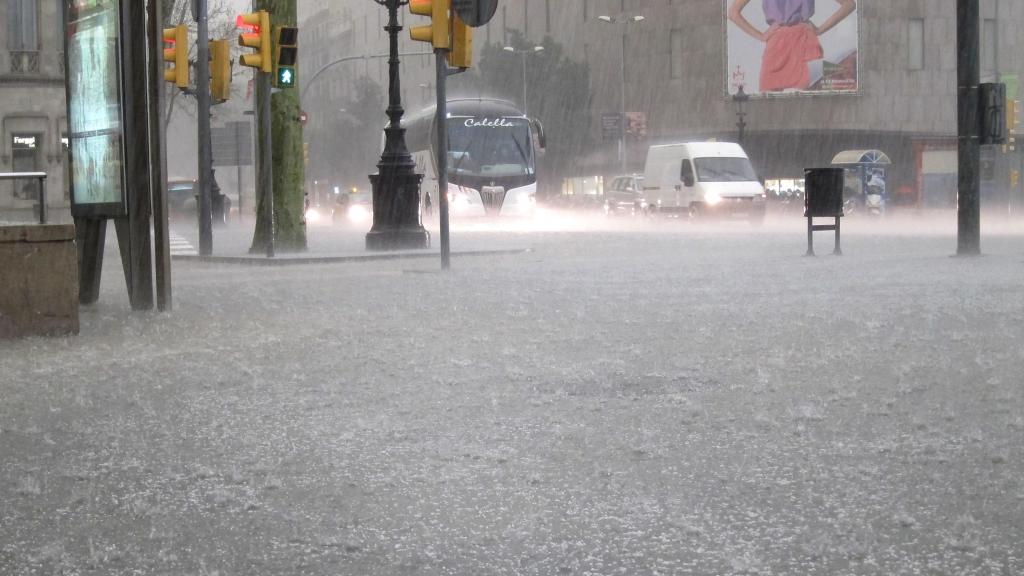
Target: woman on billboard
791,39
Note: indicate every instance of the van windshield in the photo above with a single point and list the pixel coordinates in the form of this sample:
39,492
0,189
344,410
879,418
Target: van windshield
724,170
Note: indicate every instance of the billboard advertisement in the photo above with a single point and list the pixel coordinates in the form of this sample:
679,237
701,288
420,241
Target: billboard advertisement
792,47
94,107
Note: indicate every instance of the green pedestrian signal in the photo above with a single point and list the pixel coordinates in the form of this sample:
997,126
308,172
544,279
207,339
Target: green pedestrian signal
286,55
285,77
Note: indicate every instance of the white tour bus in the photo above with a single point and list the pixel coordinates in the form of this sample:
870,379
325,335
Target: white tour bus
491,157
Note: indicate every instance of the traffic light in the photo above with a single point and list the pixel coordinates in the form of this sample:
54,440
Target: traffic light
258,37
177,55
461,54
286,55
437,32
220,70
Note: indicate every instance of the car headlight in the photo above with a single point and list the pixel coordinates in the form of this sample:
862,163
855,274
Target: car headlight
712,198
358,213
312,215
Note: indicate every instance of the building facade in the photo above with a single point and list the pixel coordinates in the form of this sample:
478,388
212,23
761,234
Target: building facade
670,68
33,115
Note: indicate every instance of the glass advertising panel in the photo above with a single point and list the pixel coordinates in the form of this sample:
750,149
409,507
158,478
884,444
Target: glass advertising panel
792,47
94,108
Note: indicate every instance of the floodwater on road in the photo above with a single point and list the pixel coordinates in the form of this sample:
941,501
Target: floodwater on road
623,398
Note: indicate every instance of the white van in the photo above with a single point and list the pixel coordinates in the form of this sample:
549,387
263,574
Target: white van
697,178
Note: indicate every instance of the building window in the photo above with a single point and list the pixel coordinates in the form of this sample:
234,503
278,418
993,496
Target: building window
988,45
25,158
22,26
915,44
675,54
586,11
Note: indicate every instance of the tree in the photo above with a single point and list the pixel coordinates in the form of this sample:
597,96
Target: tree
221,26
559,96
286,138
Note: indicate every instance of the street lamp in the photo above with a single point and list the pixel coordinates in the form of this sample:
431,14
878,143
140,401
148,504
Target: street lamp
623,20
524,53
741,98
396,186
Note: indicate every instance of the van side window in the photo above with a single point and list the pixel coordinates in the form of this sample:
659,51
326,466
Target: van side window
686,173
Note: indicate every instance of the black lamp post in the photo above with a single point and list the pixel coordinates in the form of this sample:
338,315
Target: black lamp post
741,98
396,185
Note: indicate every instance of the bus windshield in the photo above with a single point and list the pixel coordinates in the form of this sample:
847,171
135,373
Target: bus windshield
490,147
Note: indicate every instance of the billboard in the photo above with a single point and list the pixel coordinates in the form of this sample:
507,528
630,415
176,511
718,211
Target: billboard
792,47
94,107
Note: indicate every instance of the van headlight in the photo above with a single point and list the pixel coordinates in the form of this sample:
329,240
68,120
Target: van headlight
712,198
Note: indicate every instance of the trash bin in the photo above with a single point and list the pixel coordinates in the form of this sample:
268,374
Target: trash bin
824,192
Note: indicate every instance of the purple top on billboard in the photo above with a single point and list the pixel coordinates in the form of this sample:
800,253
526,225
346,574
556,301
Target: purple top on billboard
788,12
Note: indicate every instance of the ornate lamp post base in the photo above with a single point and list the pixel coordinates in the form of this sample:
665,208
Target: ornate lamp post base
396,191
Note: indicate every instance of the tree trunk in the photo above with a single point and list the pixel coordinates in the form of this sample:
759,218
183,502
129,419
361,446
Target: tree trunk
286,137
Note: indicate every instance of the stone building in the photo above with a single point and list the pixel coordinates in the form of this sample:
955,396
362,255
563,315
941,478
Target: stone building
33,116
675,74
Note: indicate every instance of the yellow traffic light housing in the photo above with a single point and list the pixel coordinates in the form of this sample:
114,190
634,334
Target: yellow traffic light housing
461,54
286,55
437,32
177,55
220,70
258,37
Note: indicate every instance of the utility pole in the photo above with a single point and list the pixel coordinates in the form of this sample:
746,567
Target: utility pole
968,41
203,111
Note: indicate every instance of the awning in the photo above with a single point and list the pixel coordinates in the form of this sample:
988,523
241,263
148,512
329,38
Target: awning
857,157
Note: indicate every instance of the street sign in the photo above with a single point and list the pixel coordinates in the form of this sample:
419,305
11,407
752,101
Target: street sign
232,144
611,126
475,13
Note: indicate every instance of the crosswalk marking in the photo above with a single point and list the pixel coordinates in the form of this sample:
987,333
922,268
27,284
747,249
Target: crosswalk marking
181,246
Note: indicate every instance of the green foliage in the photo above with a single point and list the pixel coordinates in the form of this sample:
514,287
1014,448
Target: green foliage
558,94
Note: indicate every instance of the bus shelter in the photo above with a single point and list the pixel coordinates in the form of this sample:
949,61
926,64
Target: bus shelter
864,169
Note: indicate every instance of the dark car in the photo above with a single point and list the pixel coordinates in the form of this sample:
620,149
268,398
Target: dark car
625,195
181,199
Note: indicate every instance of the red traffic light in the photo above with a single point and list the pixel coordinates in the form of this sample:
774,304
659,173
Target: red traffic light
241,24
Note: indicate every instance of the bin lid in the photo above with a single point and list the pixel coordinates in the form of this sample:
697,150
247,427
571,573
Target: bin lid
847,157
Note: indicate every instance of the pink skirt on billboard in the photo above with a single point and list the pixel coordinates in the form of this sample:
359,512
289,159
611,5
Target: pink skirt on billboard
786,54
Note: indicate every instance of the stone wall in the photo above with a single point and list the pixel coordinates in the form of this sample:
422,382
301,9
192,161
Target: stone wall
38,281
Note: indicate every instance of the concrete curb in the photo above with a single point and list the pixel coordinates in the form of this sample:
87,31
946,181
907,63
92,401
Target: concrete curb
298,260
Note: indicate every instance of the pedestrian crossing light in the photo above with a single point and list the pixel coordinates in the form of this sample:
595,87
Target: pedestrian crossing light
258,37
286,55
220,70
177,55
437,32
461,54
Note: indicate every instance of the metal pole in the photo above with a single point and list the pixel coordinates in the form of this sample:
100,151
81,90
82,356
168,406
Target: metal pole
158,159
525,108
203,111
622,118
266,160
442,155
968,147
42,199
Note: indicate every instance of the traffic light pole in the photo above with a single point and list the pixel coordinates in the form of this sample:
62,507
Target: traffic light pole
205,206
969,146
442,154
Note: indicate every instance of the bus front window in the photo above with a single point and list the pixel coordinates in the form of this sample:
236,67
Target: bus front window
490,148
